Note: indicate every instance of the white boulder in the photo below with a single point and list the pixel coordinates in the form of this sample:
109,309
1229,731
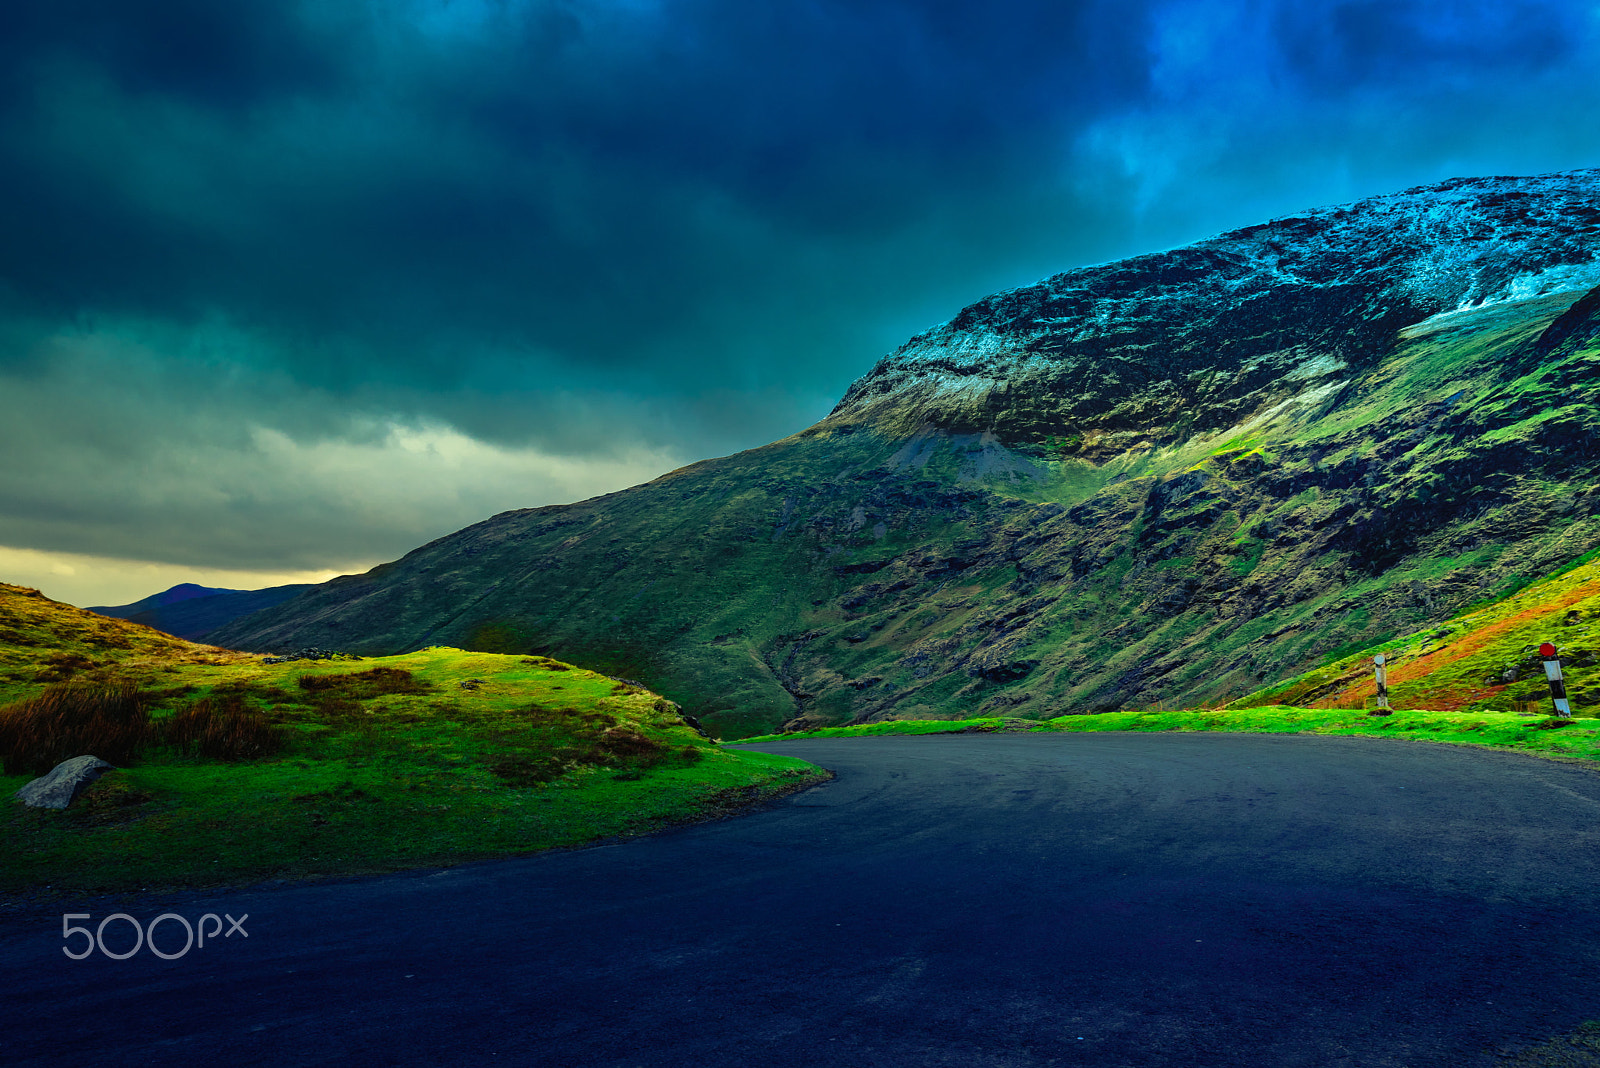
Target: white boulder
64,782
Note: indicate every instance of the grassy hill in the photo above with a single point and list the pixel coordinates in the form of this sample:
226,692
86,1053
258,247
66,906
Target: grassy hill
232,770
43,641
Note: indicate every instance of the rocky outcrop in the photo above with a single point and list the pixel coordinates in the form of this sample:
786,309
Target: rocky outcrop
308,653
1202,337
1576,326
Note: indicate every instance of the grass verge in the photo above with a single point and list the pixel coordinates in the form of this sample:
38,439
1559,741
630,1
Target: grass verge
1577,738
892,726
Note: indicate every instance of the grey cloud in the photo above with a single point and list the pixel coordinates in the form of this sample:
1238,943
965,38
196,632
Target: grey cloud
119,449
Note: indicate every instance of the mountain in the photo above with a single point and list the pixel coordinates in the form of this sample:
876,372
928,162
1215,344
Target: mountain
190,611
183,591
1171,478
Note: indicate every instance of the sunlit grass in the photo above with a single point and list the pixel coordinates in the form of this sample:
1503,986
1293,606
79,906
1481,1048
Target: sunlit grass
1544,735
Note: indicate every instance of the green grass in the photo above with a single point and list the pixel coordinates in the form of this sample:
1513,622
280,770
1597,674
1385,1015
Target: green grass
1239,444
43,641
1577,738
164,824
1459,663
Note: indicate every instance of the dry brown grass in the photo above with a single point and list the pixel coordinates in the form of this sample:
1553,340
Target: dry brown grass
361,685
340,696
108,720
223,728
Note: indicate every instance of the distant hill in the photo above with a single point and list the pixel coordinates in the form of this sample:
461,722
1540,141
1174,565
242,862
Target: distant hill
1174,478
183,591
191,611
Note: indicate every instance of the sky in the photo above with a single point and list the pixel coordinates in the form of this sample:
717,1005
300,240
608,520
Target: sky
287,290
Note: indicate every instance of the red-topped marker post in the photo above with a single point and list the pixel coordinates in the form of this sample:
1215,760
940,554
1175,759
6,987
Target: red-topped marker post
1382,678
1558,688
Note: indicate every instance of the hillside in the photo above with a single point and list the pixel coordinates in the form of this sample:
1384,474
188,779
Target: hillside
1172,478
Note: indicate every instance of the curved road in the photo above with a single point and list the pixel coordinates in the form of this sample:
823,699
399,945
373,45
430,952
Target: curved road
970,900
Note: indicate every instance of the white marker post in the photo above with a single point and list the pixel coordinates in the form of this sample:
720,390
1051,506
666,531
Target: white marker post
1382,678
1558,688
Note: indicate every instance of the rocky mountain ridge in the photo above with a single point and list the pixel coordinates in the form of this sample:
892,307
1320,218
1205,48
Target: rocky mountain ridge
1201,337
1174,478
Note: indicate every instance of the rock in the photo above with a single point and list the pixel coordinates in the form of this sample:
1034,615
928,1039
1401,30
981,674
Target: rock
311,653
64,782
471,684
1127,351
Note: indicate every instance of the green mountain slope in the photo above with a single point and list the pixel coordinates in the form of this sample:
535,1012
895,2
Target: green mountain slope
1028,514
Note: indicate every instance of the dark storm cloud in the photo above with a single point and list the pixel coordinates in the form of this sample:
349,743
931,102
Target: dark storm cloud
1256,109
1378,43
604,229
622,188
227,55
816,109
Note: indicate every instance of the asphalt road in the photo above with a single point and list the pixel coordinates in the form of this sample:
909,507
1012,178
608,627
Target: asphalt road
975,901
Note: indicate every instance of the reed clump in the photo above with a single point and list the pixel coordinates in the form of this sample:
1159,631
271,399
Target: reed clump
223,728
110,720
